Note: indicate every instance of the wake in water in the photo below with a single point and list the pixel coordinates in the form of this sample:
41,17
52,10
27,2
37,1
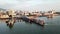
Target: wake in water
52,24
46,24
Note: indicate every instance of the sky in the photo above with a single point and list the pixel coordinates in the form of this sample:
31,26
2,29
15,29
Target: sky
40,5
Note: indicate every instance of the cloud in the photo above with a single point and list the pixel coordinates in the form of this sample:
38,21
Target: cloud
25,4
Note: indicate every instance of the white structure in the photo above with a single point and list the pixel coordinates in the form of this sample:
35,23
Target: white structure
12,13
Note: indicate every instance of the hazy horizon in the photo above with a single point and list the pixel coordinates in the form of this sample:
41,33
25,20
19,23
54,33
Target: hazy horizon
40,5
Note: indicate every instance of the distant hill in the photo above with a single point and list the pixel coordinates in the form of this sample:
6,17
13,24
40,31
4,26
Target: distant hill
2,9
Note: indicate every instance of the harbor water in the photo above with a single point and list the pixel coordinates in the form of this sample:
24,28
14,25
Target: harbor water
52,26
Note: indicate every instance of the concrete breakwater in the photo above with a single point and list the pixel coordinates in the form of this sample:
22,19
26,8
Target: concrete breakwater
39,22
